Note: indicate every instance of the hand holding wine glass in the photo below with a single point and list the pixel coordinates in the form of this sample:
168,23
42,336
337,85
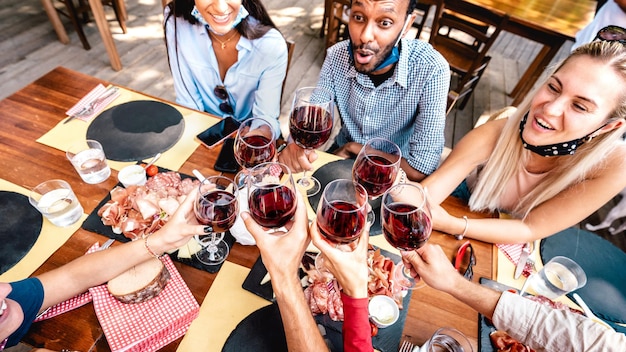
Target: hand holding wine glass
376,167
341,215
310,125
271,194
216,207
406,223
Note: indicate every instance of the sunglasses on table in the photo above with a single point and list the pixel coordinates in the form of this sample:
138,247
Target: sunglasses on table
221,93
465,260
612,34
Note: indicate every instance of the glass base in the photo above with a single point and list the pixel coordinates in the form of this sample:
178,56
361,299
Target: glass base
213,254
403,277
309,184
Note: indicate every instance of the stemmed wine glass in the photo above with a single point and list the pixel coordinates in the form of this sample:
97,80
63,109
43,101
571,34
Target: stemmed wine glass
272,194
216,207
376,167
341,215
254,144
310,125
406,223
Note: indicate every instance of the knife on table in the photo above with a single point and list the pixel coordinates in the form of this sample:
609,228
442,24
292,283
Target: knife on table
522,260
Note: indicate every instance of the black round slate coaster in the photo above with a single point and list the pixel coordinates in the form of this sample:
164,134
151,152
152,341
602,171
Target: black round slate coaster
260,331
342,169
603,263
19,229
137,130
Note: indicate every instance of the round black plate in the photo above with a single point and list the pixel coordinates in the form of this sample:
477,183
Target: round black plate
258,332
137,130
19,229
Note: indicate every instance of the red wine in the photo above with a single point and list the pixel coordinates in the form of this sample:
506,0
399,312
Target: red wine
254,150
376,179
404,228
310,126
217,209
272,206
340,222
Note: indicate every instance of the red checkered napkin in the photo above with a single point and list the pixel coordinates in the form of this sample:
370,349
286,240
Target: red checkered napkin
513,252
91,96
150,325
70,304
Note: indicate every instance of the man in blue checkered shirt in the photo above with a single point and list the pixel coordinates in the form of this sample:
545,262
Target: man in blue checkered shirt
384,86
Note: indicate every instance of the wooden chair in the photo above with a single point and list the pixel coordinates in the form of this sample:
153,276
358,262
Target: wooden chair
78,13
464,39
337,22
422,10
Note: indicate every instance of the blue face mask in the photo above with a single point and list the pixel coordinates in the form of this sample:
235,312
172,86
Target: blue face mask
243,13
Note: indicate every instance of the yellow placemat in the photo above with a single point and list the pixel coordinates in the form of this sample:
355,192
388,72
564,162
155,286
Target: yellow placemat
63,135
50,239
506,269
223,308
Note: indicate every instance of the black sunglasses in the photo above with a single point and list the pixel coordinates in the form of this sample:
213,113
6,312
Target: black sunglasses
465,260
612,34
221,93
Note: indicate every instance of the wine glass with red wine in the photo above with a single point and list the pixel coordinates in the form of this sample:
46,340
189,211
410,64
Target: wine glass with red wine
406,223
271,194
376,167
341,215
216,207
310,125
254,144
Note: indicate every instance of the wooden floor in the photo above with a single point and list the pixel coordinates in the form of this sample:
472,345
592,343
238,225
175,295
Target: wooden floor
29,48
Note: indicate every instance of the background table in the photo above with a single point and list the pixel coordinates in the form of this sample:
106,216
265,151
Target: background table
32,111
549,23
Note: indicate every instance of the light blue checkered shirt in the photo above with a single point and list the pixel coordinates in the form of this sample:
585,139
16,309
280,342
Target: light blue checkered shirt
409,108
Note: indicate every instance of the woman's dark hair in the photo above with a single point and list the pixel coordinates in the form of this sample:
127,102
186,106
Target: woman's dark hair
248,29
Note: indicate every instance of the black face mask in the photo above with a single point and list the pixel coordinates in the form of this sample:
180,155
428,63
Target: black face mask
556,149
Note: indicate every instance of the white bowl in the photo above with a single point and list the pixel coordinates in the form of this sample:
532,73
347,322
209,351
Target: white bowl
383,311
132,175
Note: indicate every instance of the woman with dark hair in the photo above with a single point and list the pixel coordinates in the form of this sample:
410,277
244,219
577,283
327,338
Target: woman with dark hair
227,57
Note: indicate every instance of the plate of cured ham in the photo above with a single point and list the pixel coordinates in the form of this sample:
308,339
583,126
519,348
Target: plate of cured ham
126,214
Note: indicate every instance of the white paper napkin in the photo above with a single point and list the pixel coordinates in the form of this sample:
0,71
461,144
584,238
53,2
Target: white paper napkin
239,230
94,94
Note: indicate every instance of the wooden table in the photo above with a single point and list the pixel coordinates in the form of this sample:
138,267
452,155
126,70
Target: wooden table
32,111
549,23
101,23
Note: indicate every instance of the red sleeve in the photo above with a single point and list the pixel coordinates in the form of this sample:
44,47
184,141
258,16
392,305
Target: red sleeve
357,334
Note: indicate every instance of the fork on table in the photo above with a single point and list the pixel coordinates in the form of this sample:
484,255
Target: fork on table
89,108
406,346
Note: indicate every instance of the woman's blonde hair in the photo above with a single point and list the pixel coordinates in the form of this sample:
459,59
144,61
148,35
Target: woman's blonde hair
509,156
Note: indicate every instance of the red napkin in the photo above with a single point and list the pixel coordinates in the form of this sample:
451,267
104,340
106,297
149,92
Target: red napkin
513,252
72,303
150,325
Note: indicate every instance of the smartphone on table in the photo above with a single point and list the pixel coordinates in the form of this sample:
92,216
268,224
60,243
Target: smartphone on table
217,133
226,161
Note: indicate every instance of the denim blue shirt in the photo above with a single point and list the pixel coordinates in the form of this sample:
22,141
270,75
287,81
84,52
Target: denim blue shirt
253,83
409,108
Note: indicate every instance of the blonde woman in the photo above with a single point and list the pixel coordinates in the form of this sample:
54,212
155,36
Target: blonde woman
555,160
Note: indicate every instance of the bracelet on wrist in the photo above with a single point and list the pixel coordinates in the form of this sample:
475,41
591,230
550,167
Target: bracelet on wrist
460,236
152,253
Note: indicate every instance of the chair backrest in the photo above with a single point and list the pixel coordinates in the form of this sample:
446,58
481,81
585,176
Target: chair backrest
463,36
337,22
291,45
